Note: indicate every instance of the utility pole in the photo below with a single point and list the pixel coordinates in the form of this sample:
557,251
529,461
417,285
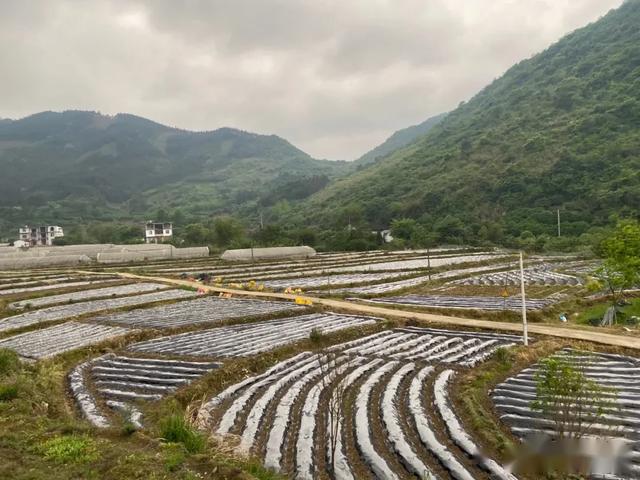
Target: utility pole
525,338
558,222
261,222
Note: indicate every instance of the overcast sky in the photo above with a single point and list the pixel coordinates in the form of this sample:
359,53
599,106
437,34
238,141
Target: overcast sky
334,77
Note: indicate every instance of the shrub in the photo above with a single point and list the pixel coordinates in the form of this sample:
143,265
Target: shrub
177,430
568,397
316,335
70,449
504,357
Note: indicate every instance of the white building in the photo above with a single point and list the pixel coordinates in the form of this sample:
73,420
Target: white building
157,232
40,236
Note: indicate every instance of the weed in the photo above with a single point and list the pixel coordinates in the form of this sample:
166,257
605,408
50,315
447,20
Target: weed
177,430
9,362
70,449
8,392
128,429
174,460
504,357
261,473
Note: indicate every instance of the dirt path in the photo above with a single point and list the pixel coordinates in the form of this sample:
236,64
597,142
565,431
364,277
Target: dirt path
591,334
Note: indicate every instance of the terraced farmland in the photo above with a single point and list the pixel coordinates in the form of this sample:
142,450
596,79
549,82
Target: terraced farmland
376,407
202,310
474,303
532,276
248,339
621,419
52,341
88,295
388,287
121,381
61,312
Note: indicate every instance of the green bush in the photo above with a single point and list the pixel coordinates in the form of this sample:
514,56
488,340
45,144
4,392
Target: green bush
504,357
70,449
316,335
177,430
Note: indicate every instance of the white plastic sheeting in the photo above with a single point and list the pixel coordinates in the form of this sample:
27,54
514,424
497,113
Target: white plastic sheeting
52,341
269,253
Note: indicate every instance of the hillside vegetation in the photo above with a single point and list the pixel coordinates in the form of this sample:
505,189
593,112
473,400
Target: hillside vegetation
558,131
75,166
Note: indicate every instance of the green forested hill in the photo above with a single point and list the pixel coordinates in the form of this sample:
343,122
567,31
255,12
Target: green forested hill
560,130
77,166
398,140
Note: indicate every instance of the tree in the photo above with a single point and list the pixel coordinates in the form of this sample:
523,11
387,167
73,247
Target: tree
227,230
565,395
403,228
621,267
328,361
195,234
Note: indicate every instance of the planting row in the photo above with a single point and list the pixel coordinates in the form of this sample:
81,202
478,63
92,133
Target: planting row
117,291
613,413
249,339
532,276
398,265
13,282
62,312
202,310
413,282
60,338
429,345
351,416
320,260
119,382
328,280
475,303
56,286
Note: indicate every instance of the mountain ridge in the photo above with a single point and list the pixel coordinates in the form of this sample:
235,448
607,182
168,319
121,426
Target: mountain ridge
75,166
399,139
560,130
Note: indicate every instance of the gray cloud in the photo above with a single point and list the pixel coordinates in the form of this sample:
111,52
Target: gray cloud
334,77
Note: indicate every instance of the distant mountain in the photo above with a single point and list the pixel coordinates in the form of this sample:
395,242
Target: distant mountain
558,131
399,139
77,166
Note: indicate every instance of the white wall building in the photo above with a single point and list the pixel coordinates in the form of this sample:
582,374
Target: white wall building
40,236
157,232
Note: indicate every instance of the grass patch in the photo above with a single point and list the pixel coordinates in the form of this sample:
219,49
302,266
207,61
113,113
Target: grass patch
8,393
593,314
70,449
9,362
176,429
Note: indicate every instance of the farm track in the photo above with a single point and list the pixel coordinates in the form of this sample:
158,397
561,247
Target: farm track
582,333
